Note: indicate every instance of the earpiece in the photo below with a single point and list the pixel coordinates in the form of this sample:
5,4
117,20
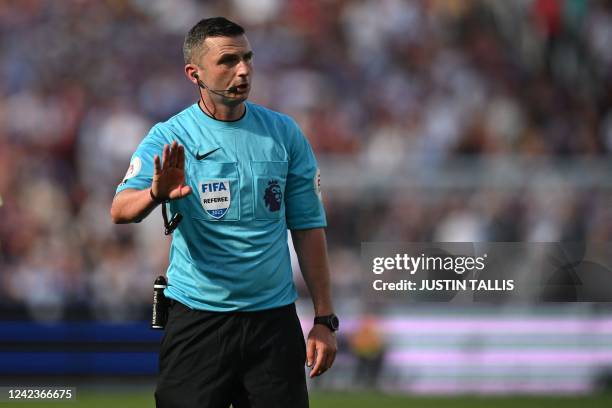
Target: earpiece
220,92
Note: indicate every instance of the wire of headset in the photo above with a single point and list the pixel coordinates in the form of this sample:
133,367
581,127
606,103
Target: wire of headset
201,85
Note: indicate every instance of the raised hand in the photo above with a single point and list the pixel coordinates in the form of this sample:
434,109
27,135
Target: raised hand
169,174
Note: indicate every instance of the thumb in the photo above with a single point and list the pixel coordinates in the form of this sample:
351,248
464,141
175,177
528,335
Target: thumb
185,191
180,192
310,352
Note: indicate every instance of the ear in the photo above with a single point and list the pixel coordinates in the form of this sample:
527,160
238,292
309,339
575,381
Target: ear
190,71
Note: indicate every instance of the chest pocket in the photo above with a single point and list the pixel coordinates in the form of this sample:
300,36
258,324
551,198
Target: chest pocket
218,191
269,180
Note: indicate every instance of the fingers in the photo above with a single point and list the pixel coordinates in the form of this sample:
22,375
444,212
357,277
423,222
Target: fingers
168,174
324,360
322,349
173,156
170,157
325,356
181,157
310,352
331,356
156,165
319,367
165,154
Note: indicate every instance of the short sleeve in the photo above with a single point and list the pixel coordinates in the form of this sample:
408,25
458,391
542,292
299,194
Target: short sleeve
304,207
140,170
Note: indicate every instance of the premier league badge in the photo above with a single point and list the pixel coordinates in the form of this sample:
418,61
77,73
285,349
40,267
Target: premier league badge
273,196
133,170
216,197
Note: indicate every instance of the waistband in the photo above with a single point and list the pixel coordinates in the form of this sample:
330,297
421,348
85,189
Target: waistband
264,312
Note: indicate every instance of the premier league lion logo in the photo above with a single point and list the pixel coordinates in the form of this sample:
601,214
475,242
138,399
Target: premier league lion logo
273,196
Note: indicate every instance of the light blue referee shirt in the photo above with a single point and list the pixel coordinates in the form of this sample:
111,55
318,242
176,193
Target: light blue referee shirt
251,179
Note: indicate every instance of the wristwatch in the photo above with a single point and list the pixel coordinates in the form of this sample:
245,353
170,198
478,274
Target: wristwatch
331,321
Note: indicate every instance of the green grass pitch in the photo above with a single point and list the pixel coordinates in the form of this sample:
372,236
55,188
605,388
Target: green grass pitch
144,399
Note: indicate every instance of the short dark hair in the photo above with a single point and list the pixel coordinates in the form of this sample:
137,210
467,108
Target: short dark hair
208,27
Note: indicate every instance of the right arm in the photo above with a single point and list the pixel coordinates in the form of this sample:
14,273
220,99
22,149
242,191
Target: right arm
133,205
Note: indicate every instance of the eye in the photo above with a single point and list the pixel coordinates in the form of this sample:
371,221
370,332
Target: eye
229,60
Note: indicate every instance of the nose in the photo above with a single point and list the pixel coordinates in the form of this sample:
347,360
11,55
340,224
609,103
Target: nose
244,68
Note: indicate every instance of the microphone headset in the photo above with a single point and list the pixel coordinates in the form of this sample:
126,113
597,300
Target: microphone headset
220,92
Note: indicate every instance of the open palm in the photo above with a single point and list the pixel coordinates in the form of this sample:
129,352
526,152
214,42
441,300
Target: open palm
169,174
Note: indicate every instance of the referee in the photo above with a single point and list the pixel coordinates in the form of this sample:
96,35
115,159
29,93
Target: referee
240,175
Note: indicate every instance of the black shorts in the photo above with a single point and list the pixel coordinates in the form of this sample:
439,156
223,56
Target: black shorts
247,359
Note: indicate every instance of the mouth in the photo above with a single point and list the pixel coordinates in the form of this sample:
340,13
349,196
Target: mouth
241,88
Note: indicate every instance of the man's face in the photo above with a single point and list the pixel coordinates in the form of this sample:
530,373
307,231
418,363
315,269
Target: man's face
227,62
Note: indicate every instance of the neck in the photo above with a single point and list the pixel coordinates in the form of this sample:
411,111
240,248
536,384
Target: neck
221,111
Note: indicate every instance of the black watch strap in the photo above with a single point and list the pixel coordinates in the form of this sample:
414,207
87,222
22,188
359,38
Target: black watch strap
155,199
331,321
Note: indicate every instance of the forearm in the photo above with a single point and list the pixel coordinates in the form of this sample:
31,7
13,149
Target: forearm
311,248
132,206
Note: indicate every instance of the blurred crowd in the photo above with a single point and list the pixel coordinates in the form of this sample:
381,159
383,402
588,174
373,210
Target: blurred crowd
374,81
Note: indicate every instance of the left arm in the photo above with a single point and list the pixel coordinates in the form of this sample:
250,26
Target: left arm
311,249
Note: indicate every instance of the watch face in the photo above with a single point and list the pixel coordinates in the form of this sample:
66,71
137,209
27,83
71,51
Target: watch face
335,322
